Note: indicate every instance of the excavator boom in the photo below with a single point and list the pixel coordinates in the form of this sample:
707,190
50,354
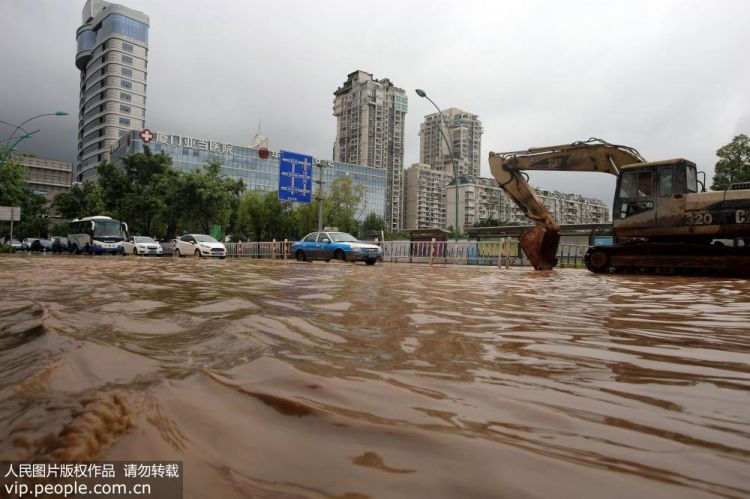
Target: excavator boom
594,155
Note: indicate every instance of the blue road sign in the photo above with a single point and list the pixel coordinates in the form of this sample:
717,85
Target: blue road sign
295,177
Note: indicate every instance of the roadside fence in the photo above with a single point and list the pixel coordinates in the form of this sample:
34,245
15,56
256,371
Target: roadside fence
503,252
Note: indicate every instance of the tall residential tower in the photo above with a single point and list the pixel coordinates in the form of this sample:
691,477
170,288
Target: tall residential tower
463,130
112,55
370,131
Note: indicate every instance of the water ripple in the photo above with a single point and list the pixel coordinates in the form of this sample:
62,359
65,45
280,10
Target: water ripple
334,379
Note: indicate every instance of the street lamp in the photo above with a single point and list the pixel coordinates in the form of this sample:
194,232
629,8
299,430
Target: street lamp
422,93
5,152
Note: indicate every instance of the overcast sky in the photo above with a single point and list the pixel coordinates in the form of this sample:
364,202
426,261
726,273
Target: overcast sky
670,78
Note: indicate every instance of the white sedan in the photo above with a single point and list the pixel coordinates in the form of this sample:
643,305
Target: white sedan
141,245
199,245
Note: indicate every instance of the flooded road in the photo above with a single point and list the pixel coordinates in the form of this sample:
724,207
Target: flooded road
288,379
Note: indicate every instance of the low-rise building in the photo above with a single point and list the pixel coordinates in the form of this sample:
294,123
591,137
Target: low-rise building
47,177
245,163
573,208
481,199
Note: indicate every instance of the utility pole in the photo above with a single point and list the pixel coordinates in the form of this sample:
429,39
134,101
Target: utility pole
320,196
11,226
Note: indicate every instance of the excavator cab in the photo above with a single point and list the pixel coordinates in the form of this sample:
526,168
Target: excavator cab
652,195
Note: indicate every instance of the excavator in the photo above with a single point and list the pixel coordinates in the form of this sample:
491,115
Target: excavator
661,222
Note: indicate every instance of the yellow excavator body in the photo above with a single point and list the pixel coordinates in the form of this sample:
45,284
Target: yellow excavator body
660,220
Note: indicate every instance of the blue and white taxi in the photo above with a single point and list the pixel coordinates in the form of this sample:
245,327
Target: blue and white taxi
328,245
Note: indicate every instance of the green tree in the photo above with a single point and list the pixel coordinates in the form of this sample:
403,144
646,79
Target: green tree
305,219
373,222
250,222
281,218
34,217
168,221
14,191
146,176
13,186
488,222
396,236
343,204
114,187
136,192
206,198
82,200
734,163
59,229
235,188
262,217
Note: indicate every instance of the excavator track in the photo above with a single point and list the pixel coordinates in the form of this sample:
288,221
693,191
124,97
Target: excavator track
669,258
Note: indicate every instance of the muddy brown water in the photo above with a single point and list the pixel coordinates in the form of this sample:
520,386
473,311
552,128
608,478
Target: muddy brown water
286,379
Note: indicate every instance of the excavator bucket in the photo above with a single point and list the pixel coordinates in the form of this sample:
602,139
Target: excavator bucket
540,246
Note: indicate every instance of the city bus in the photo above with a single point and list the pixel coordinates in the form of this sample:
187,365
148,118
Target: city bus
97,234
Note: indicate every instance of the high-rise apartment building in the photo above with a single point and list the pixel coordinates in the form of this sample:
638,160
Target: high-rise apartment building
112,55
463,130
424,197
370,131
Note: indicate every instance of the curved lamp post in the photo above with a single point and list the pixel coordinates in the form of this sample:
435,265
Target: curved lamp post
20,127
5,152
422,93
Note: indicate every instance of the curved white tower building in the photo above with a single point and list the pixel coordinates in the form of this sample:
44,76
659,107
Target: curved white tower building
112,55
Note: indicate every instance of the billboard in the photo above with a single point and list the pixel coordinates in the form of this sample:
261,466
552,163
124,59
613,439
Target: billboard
295,177
10,213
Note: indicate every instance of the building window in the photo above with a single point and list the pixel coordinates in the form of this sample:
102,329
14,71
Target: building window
126,46
127,59
124,25
124,109
125,96
126,71
126,84
124,121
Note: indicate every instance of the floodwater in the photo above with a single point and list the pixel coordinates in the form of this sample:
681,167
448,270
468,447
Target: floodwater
286,379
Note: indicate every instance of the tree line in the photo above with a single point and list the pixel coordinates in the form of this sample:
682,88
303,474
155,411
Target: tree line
157,200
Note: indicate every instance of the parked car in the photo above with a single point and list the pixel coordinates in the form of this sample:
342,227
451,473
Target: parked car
27,242
199,245
172,245
336,245
141,245
60,244
15,244
40,245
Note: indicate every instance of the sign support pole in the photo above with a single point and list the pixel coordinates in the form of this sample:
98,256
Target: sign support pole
320,197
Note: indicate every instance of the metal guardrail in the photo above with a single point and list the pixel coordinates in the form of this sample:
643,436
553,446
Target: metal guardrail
504,252
250,249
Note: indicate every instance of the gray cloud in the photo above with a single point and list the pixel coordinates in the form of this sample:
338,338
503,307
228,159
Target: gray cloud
667,77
